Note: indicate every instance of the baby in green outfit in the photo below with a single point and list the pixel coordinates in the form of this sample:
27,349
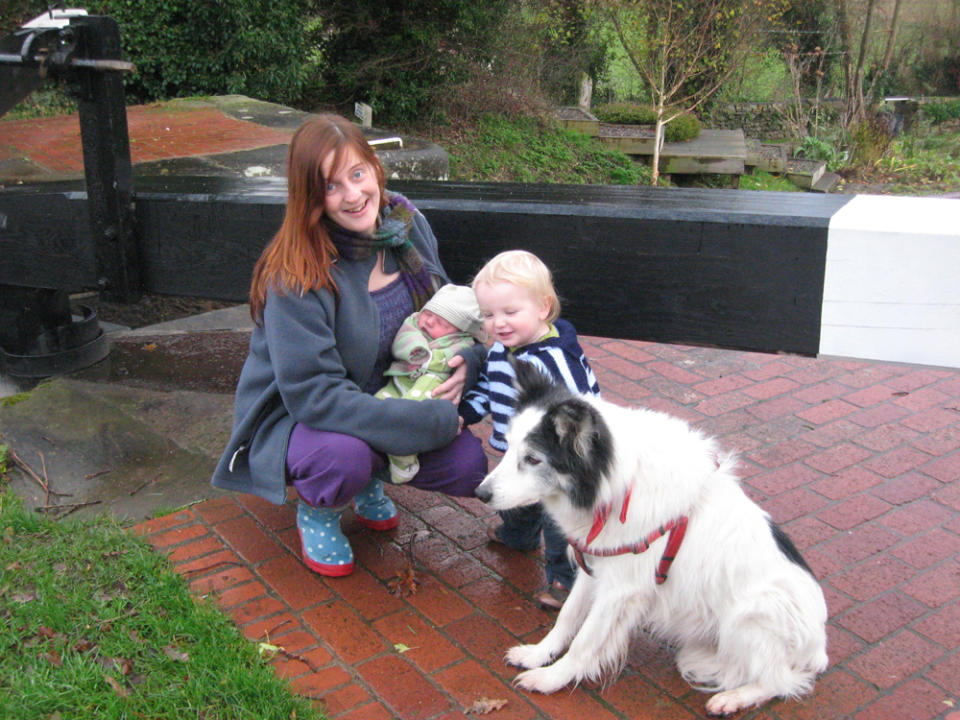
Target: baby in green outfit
422,349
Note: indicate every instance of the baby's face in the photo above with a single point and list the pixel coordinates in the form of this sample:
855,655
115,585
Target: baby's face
434,325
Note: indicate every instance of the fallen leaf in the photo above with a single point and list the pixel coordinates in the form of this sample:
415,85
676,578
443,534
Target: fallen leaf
23,598
150,347
115,684
266,650
401,648
14,566
404,583
52,657
174,654
484,706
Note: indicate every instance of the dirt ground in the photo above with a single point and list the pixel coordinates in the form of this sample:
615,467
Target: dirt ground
152,309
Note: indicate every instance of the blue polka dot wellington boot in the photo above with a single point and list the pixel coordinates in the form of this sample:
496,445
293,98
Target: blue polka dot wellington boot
325,549
373,508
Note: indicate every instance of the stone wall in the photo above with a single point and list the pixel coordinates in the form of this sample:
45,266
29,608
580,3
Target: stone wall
767,120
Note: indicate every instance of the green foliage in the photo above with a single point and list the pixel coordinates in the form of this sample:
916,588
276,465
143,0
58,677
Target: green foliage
571,42
814,148
868,142
941,112
923,164
682,128
183,48
625,113
45,101
685,126
96,625
502,149
758,179
394,56
761,78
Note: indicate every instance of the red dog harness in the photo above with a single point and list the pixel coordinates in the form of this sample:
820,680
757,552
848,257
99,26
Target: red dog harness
676,528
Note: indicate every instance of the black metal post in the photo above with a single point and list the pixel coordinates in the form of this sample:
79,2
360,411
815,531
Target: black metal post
106,160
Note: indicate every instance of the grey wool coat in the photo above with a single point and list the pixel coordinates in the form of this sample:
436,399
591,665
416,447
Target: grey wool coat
308,360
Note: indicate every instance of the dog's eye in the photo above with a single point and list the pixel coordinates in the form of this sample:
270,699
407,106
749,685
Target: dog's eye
531,459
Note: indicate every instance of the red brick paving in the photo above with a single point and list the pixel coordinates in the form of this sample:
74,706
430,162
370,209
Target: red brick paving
858,460
157,132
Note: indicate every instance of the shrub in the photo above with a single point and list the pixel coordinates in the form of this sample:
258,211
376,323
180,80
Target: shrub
869,141
396,56
683,127
940,112
814,148
183,47
623,113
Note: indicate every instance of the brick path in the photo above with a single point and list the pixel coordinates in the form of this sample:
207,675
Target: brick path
859,461
157,132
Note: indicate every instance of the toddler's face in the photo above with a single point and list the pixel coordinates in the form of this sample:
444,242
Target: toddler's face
512,314
434,325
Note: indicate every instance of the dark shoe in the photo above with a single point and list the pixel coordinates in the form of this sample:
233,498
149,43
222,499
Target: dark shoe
493,535
553,596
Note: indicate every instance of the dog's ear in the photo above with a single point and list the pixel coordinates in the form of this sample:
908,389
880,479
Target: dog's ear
577,425
530,381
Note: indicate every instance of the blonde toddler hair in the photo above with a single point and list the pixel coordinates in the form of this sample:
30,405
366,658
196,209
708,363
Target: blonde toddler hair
519,267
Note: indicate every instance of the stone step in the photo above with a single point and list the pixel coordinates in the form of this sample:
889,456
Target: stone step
805,173
827,182
770,157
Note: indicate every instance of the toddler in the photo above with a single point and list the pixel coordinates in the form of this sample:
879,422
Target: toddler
422,349
521,312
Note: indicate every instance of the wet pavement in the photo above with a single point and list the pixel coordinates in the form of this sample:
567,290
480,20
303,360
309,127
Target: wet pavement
858,460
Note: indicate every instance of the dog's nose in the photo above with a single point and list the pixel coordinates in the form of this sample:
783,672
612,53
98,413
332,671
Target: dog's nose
483,493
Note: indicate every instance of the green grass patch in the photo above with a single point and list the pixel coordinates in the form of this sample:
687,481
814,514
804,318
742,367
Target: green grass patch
46,101
501,149
758,179
919,165
95,624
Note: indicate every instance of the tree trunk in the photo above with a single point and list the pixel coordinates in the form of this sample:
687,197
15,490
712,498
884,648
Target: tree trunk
657,143
586,91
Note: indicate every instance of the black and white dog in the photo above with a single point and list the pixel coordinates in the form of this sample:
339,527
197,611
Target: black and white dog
667,541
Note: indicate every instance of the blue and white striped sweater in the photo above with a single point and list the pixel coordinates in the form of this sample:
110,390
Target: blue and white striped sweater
560,357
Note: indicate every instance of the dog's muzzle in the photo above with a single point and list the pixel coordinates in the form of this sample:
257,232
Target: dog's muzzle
483,493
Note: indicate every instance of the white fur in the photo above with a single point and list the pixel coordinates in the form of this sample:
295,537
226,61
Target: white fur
747,623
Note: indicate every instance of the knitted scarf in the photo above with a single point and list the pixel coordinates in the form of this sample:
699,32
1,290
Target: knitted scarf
393,233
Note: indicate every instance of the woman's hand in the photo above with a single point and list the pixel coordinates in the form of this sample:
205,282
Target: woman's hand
452,388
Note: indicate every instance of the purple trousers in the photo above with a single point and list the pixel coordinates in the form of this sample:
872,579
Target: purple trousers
329,468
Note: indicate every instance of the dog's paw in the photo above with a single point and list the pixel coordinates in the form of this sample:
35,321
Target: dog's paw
544,680
527,656
729,702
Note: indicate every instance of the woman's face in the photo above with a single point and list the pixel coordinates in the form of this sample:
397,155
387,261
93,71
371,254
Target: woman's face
352,196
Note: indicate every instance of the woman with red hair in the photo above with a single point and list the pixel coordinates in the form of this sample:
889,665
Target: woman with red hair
350,261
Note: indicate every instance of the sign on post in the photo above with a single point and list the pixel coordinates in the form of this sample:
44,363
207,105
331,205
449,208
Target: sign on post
365,113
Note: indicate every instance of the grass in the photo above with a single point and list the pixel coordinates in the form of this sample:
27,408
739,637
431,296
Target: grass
502,149
758,179
921,164
96,625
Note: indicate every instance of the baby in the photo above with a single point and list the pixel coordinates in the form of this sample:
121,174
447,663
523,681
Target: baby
427,340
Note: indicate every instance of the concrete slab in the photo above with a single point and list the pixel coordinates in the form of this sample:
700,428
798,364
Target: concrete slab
109,448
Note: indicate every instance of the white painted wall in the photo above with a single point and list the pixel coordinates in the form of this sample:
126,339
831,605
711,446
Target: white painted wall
892,281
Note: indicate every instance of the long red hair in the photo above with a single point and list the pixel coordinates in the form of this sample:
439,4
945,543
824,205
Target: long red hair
301,254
